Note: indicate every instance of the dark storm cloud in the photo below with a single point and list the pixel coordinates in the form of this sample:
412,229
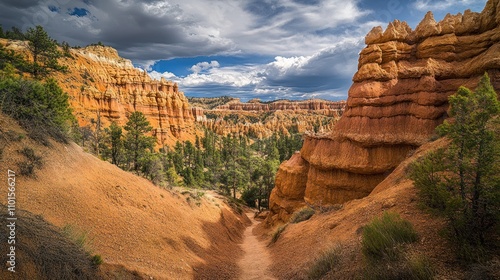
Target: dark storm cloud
20,4
143,30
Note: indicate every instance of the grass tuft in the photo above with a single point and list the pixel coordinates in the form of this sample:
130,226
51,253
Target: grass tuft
301,215
277,233
383,235
32,161
325,262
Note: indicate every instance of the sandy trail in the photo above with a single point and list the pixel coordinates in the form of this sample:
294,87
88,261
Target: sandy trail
254,264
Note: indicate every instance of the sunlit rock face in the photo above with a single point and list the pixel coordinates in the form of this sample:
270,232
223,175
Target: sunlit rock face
100,82
398,96
263,119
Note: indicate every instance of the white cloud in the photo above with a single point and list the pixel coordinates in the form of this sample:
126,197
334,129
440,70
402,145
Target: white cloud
322,74
433,5
203,66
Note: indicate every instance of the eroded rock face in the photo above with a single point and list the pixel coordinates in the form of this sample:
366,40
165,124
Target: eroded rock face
116,88
261,120
398,97
324,106
99,80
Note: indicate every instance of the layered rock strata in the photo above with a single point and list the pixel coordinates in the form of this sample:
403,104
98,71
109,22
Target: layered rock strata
325,107
261,120
116,88
398,97
100,82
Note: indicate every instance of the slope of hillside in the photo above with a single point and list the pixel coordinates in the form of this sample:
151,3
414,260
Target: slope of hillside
300,244
139,229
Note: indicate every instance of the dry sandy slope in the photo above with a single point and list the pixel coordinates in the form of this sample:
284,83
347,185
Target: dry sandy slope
133,224
294,253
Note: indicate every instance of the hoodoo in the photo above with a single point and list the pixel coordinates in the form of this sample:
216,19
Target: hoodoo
399,95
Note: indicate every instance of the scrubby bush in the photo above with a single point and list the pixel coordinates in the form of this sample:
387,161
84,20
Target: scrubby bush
277,233
78,236
250,195
96,260
382,236
32,161
326,262
420,267
301,215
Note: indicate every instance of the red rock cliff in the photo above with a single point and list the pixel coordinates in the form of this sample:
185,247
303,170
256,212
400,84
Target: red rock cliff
114,86
98,79
261,120
398,97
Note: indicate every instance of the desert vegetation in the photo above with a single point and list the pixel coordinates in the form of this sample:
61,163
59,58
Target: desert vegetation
461,182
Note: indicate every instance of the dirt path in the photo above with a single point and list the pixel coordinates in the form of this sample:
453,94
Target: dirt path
255,262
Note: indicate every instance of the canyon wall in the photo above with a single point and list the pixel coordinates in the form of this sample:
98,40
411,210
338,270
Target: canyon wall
261,120
398,97
99,81
325,107
104,81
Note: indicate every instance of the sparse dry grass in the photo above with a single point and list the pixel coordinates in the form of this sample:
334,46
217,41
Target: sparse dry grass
302,214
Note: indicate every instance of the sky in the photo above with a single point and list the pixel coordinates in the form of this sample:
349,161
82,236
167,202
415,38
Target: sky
267,49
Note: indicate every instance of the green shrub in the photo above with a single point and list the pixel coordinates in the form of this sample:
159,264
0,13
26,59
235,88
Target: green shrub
413,268
420,267
96,260
383,235
277,233
325,262
301,215
249,196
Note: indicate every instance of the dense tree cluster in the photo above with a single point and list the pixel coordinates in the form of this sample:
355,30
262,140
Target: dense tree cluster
235,165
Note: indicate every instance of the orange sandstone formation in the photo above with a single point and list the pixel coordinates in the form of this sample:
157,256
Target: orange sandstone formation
261,120
99,80
325,107
116,88
398,97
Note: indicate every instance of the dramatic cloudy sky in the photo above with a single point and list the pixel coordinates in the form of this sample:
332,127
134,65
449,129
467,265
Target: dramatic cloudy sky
268,49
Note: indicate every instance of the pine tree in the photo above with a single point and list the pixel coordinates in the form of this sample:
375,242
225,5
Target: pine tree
44,52
136,141
462,181
115,143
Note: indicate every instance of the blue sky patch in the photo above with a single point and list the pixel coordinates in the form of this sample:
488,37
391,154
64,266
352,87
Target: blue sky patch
79,12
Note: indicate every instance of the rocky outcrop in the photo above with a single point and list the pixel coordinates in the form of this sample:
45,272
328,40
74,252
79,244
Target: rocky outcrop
398,97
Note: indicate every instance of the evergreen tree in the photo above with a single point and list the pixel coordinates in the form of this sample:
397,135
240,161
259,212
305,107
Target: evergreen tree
114,142
15,34
136,141
44,52
462,181
41,108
